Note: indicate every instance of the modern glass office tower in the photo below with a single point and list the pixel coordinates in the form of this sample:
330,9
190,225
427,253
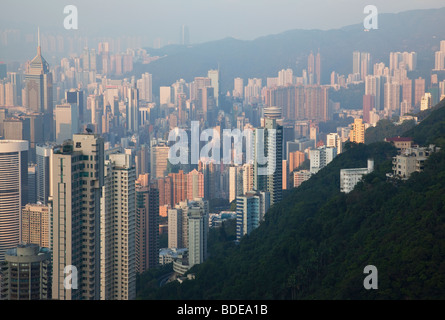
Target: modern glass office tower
13,191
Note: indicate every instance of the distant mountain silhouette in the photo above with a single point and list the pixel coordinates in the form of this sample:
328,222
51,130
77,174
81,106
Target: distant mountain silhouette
417,30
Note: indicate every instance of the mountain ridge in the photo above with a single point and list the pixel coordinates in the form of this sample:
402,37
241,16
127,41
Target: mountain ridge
265,56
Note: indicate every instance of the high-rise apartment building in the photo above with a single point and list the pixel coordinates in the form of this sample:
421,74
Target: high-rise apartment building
67,121
195,185
357,133
419,91
35,224
214,76
16,129
238,88
407,92
402,60
132,110
318,68
368,105
268,155
158,160
77,181
373,87
32,183
250,211
392,97
439,62
147,228
26,273
145,87
247,179
184,38
76,96
235,182
118,230
426,102
333,140
175,222
198,228
13,191
43,158
300,177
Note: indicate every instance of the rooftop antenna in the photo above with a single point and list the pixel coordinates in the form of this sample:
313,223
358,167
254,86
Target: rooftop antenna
39,50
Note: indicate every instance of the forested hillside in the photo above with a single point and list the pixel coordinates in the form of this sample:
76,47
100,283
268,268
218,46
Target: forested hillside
316,243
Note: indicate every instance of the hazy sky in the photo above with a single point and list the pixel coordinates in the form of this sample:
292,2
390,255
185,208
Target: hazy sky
207,19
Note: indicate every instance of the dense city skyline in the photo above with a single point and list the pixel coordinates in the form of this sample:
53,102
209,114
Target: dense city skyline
115,185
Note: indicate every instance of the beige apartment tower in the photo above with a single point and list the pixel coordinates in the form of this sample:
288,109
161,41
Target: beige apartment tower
77,181
118,226
35,224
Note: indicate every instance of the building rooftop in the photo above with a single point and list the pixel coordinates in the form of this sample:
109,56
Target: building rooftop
399,139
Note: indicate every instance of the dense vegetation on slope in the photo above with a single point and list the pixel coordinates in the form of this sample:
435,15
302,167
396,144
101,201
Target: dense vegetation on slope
385,128
317,241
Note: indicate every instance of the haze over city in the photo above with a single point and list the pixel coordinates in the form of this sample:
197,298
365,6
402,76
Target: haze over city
224,150
207,20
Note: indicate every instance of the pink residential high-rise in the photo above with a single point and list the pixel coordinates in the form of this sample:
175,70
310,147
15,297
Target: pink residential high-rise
195,185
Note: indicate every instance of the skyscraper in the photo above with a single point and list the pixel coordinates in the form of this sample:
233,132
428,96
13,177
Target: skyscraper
27,273
43,158
419,91
118,230
318,68
175,221
184,38
39,89
238,88
368,105
235,182
214,76
13,191
356,62
268,155
77,181
407,92
392,98
147,228
32,183
37,129
372,87
67,121
198,228
158,160
145,87
195,185
311,68
133,110
76,96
